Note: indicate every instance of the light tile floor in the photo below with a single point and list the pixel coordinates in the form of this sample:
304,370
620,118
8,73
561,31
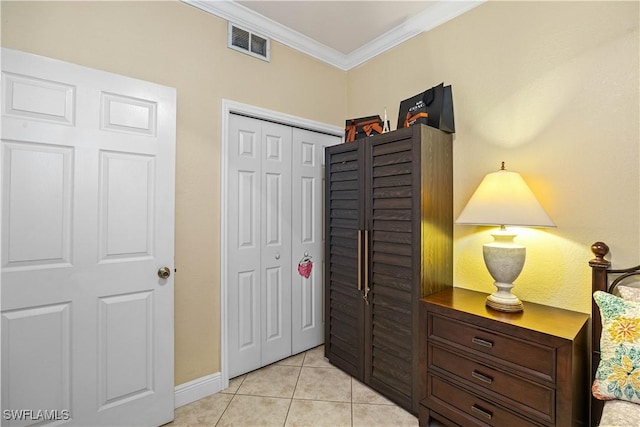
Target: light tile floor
303,390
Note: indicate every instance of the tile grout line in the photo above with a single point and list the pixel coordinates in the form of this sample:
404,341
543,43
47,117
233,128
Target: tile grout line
235,393
294,389
351,401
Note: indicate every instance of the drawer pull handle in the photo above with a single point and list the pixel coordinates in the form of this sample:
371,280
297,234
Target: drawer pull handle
478,410
482,377
482,342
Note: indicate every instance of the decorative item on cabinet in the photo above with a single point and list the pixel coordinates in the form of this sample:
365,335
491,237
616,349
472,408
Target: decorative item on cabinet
388,242
363,127
385,127
433,107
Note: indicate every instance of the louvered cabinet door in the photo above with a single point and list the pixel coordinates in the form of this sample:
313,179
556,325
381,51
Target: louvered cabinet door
391,225
344,220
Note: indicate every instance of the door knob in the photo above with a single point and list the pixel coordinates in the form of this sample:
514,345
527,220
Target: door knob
164,273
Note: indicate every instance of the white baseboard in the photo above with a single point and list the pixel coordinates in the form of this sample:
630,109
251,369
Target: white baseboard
197,389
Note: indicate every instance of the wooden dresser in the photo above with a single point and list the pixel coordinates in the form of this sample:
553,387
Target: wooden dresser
482,367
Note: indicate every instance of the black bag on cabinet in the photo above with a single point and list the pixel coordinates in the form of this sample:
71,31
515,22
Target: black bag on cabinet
433,107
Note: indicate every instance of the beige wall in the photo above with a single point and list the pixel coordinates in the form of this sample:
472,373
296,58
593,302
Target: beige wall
177,45
551,88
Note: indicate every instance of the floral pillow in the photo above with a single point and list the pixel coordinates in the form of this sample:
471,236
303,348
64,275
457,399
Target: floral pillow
618,374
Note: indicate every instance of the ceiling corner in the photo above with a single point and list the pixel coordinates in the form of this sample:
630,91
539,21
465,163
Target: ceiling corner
436,14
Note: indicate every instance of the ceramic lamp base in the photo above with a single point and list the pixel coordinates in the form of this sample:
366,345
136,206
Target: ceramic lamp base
499,304
504,260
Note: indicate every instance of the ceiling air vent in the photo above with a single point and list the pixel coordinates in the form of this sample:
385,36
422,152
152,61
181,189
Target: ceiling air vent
247,42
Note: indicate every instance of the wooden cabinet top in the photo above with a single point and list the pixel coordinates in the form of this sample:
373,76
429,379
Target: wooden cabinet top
470,306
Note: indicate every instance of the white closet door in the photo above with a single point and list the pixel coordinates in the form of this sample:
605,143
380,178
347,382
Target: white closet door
276,242
307,237
258,244
243,247
274,218
87,220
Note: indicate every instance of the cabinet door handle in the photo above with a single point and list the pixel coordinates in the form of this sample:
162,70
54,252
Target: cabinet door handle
478,410
366,266
359,260
483,343
482,377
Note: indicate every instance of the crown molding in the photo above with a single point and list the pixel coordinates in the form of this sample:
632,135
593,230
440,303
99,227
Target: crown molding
438,13
265,27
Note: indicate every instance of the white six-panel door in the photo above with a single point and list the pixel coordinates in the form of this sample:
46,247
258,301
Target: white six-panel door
259,244
87,222
274,211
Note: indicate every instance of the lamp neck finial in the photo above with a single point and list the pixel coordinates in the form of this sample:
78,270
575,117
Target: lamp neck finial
502,168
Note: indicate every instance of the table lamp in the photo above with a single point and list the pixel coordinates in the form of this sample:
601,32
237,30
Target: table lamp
503,198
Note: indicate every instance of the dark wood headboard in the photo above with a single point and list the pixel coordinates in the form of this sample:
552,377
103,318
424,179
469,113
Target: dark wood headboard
603,278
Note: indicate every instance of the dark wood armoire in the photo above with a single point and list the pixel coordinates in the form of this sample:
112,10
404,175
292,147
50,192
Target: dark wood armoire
388,243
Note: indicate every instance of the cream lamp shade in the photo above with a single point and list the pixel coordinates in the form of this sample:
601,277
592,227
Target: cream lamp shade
503,198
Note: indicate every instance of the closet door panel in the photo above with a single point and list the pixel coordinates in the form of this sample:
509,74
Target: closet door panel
307,240
259,244
275,259
243,246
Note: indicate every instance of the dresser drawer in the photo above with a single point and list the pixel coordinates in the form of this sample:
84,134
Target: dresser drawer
532,398
539,359
445,396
